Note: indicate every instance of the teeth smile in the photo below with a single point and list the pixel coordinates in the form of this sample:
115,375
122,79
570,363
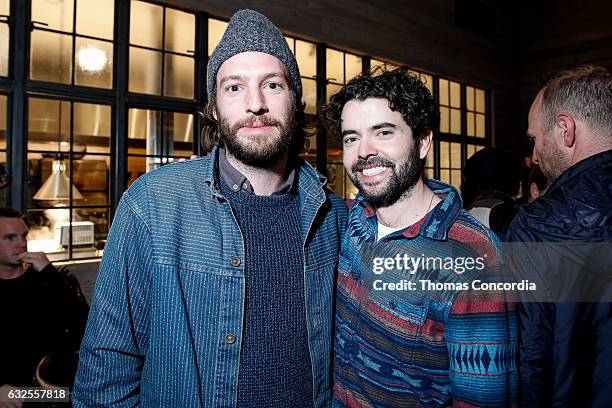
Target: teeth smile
373,171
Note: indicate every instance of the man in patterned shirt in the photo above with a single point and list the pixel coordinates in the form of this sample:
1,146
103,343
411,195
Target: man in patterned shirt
393,349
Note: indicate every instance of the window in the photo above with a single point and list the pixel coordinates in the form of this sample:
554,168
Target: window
450,163
476,111
378,66
162,51
3,149
68,177
450,106
72,42
306,56
340,67
5,11
216,28
156,138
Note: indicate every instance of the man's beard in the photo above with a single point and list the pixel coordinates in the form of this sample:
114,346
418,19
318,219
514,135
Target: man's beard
400,183
551,161
262,153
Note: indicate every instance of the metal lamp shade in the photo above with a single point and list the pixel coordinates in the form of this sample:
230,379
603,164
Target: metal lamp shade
57,187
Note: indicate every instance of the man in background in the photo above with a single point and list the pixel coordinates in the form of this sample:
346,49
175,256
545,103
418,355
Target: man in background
566,348
43,309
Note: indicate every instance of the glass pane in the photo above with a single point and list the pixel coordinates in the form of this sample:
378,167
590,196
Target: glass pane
469,98
353,66
44,123
91,178
480,101
178,131
3,178
179,73
95,18
145,71
443,85
428,81
334,66
332,89
139,165
309,95
455,121
4,49
290,43
57,14
94,63
90,229
144,132
306,55
92,127
51,57
456,178
53,173
3,113
444,155
216,28
480,125
471,131
42,236
376,63
5,7
445,176
180,31
455,155
455,95
335,178
146,23
444,120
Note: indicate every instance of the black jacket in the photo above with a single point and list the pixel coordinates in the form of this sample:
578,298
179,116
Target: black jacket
566,348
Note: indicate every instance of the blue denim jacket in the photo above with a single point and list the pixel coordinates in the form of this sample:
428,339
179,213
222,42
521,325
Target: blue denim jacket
171,289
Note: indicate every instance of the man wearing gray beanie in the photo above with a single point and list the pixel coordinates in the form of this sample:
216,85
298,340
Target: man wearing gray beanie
217,282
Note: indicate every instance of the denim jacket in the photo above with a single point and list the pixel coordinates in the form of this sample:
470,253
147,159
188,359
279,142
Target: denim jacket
166,321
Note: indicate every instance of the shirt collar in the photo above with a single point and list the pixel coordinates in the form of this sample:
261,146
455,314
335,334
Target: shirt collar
238,181
436,223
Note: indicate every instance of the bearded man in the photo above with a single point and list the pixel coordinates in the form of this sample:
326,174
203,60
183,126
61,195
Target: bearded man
216,286
396,346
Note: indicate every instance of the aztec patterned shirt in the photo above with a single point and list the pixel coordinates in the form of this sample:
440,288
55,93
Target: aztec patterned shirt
455,350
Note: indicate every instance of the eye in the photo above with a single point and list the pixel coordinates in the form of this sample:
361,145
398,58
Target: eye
349,140
233,88
273,86
385,133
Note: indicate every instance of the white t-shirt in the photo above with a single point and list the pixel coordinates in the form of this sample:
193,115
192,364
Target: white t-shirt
383,231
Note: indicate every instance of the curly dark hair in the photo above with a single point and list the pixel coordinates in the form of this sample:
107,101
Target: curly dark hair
404,91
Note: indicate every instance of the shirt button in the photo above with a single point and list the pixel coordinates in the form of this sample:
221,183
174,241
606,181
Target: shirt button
245,186
235,187
230,338
235,261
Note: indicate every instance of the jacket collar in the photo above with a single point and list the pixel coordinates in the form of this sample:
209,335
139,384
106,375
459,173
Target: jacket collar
581,167
436,223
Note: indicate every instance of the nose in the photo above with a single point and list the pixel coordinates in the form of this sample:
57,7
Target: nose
367,148
256,102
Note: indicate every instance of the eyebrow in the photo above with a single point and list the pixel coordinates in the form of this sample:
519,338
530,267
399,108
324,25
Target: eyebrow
374,127
242,77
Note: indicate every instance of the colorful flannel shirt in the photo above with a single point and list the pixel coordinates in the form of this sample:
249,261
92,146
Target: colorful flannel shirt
390,352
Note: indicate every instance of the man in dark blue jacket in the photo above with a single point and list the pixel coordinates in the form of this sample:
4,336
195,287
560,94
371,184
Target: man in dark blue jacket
566,347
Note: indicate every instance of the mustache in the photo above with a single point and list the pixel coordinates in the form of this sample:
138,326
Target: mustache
262,120
372,162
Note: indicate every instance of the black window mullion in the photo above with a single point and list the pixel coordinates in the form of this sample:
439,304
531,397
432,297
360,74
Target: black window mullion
201,60
163,51
71,174
321,91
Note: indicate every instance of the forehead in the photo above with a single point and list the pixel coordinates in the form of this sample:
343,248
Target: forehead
251,64
534,110
369,112
12,226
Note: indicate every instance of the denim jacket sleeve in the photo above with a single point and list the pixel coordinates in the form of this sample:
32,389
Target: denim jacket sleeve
113,349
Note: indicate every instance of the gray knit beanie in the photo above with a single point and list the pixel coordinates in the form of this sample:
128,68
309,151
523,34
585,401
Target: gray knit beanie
249,30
